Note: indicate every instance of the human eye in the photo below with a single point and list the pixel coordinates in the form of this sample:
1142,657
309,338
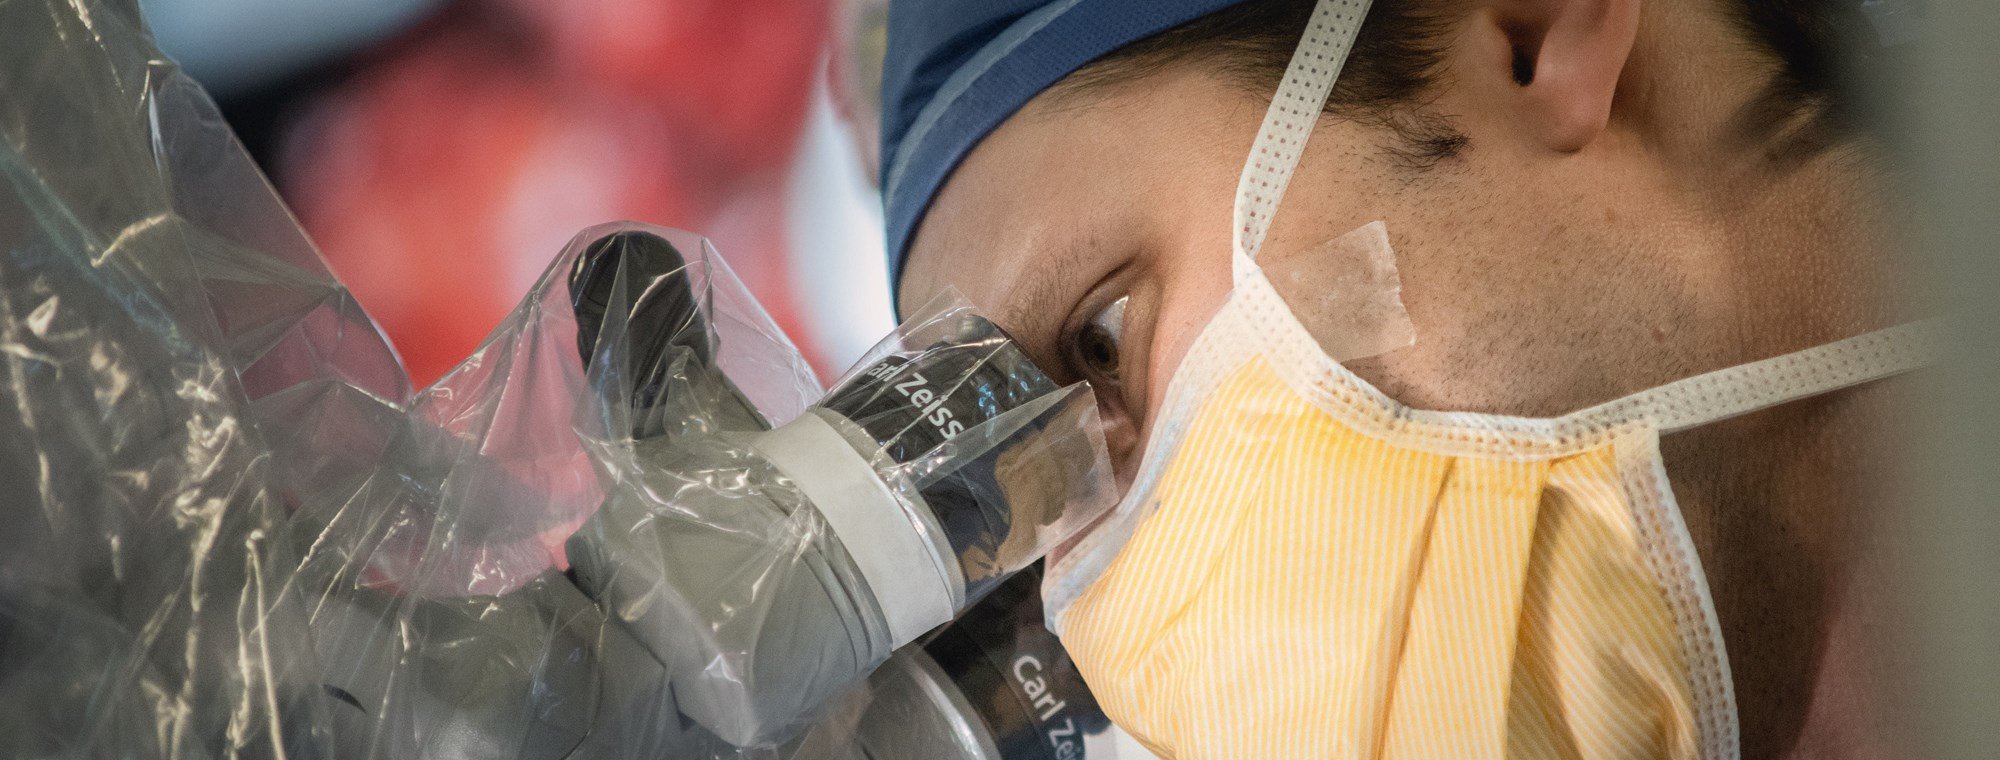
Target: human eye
1096,347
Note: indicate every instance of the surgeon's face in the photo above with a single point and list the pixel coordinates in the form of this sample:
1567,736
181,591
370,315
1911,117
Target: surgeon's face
1552,264
1538,283
1083,199
1070,207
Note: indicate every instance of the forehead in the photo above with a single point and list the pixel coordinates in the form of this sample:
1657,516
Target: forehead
1075,173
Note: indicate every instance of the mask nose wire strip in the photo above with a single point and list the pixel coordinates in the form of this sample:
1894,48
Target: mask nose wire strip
1294,110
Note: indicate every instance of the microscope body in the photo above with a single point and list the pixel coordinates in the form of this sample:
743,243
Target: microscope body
737,580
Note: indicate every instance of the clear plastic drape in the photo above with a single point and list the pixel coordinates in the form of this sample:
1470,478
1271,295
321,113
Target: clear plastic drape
631,524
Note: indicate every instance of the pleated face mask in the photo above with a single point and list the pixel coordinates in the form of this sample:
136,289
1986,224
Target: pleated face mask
1306,568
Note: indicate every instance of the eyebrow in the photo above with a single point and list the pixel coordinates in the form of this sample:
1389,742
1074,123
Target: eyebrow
1046,293
1049,291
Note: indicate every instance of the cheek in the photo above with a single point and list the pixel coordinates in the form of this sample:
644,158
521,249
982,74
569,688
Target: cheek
1189,297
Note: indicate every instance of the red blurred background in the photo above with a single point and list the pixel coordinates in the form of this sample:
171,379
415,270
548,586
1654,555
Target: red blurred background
441,161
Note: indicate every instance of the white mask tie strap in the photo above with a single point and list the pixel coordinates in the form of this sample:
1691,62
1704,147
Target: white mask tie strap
1746,388
1294,110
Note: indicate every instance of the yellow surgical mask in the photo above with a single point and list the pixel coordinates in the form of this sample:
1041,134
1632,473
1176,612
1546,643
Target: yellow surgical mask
1306,568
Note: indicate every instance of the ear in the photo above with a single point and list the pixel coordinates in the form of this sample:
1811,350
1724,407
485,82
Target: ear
1567,57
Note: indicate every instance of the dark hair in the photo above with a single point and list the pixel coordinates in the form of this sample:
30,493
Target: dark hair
1399,52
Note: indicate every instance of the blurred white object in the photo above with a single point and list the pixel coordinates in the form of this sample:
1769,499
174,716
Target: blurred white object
839,264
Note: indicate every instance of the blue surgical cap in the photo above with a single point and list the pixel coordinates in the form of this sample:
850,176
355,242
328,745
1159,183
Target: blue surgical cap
955,69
